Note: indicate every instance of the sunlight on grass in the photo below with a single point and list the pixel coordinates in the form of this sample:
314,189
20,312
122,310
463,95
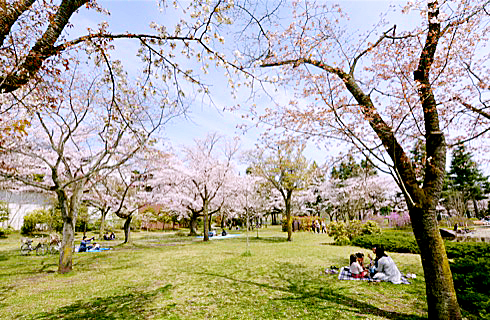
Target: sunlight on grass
173,276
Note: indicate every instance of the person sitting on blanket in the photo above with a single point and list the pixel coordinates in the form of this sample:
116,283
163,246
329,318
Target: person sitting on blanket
360,259
355,267
387,269
84,244
373,263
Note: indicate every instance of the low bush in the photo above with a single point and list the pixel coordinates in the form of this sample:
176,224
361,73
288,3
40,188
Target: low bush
467,249
403,242
344,233
33,220
42,219
470,271
471,281
5,231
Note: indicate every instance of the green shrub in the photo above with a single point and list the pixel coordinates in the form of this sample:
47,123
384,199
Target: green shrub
344,233
467,249
402,242
48,219
370,227
4,211
5,231
471,281
33,220
354,229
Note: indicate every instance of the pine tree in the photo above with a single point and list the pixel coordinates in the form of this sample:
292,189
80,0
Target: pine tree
466,177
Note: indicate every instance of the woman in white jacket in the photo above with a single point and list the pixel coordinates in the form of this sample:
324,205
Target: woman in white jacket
387,269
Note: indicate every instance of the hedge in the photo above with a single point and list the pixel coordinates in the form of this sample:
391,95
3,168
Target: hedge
402,242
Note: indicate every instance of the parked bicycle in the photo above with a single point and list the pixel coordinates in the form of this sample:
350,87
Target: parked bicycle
26,247
54,245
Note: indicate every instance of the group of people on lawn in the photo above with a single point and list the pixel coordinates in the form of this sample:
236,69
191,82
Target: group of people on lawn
85,244
381,268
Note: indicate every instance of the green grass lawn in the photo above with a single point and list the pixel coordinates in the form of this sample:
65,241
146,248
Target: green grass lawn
170,276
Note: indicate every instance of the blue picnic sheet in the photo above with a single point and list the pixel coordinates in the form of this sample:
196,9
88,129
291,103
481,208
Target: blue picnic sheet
77,249
98,249
218,237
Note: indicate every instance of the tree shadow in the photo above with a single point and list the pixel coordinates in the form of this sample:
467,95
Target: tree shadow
264,239
306,289
131,305
5,291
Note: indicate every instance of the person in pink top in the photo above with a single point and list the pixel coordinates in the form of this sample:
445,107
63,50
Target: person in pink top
356,270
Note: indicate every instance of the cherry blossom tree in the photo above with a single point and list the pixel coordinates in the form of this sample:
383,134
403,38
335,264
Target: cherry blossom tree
357,197
384,92
207,170
74,137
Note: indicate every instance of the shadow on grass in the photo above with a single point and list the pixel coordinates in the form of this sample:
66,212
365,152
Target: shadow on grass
131,305
306,289
264,239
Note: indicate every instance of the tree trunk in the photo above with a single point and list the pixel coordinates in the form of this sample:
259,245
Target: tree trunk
127,228
66,253
210,219
193,224
441,296
205,215
475,206
288,215
103,213
69,209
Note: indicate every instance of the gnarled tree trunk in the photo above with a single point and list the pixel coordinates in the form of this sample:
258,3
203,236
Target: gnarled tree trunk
205,215
287,201
127,228
193,223
103,214
69,209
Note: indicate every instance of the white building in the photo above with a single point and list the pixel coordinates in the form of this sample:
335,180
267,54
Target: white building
21,203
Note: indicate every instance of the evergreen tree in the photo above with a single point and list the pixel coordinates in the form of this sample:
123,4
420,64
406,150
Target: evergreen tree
466,177
350,169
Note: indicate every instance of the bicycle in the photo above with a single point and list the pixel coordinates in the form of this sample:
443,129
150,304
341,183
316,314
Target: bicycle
54,246
26,248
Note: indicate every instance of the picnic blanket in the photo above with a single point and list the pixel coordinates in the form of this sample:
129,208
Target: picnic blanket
345,274
219,237
98,249
77,249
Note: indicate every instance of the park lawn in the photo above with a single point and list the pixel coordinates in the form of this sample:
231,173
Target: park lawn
171,276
